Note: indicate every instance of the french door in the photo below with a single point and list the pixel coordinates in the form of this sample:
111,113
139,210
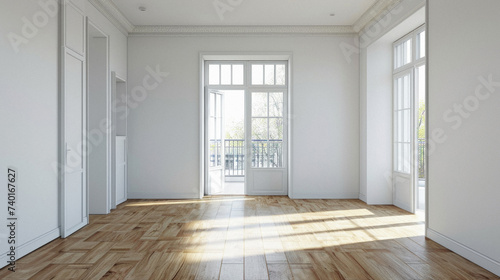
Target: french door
266,161
215,128
408,89
404,144
265,87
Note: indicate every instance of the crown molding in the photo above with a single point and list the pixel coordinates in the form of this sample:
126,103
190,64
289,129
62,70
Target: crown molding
373,12
112,13
241,29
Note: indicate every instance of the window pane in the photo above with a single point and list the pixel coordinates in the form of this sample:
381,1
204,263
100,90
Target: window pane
397,56
275,104
259,154
211,104
218,105
219,152
259,128
406,93
275,154
276,129
395,127
407,125
269,74
421,44
218,129
213,74
403,53
212,153
257,74
408,53
211,128
259,104
400,126
401,157
400,93
420,83
225,71
237,74
406,161
280,74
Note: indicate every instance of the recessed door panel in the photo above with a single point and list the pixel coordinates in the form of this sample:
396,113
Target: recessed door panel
73,171
75,191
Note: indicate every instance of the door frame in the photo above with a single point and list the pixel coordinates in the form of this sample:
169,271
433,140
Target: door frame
416,104
246,56
399,72
116,79
110,122
64,50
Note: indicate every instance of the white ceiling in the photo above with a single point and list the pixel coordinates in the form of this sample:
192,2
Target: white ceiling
243,12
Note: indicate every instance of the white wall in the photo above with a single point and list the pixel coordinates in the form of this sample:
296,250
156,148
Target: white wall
464,159
164,140
376,98
117,41
29,125
379,123
29,113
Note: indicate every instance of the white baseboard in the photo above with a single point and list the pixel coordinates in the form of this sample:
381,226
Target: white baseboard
32,245
329,195
141,195
464,251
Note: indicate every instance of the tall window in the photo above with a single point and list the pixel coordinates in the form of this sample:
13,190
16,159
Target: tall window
268,88
409,89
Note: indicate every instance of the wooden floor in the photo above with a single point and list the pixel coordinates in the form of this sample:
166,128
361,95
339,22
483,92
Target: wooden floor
242,237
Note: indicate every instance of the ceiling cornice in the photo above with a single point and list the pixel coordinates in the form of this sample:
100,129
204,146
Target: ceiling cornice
259,29
373,12
109,10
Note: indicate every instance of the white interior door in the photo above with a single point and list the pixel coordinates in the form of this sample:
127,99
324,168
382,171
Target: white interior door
74,203
266,157
215,140
404,144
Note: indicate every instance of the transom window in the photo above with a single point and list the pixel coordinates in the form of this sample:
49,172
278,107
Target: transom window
409,50
268,74
226,74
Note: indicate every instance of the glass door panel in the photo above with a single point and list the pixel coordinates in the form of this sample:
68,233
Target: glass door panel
266,169
215,141
403,140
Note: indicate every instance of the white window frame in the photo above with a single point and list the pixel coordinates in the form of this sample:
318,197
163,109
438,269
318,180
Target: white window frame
225,57
409,68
